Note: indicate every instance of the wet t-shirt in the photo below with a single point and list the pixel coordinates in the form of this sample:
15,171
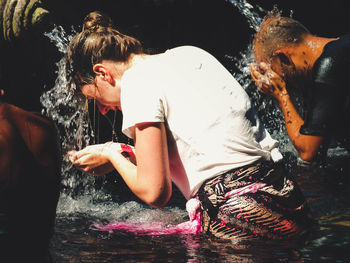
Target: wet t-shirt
328,98
208,113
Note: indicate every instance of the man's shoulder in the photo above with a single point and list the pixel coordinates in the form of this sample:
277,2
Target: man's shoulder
334,63
338,49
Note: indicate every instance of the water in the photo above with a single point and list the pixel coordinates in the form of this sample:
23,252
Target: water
75,239
86,200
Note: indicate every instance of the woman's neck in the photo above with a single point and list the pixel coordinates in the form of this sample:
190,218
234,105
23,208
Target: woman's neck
134,59
137,58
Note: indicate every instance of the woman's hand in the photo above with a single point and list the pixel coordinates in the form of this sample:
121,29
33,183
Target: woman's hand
268,81
95,159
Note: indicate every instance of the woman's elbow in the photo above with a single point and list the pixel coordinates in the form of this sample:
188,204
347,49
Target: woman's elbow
158,199
158,203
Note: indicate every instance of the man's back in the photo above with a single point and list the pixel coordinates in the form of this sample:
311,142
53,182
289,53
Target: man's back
29,179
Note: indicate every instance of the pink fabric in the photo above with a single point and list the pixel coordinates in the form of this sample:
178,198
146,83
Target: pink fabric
193,226
252,188
126,148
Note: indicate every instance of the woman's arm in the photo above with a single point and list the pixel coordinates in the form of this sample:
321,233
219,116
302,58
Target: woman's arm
150,180
270,83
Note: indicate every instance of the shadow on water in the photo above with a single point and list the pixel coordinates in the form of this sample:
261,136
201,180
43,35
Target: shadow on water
85,200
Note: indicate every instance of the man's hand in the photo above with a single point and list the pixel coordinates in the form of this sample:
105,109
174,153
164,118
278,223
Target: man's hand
268,81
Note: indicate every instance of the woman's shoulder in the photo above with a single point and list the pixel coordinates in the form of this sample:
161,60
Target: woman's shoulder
188,51
186,48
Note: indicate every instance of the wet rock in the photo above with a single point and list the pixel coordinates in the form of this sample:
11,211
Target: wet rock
18,16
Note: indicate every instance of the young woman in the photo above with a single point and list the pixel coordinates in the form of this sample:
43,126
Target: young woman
289,56
193,124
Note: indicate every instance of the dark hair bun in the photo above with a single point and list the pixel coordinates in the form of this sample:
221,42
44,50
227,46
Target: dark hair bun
95,20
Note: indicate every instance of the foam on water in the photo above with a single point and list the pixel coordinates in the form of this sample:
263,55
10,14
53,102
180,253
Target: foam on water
105,210
159,227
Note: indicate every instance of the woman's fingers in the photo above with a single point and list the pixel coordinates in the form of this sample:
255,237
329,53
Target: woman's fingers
84,160
71,156
95,157
86,151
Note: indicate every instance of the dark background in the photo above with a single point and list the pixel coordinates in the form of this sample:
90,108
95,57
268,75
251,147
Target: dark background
27,65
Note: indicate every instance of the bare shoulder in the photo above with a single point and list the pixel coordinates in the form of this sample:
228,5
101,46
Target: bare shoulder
6,140
38,133
6,128
35,120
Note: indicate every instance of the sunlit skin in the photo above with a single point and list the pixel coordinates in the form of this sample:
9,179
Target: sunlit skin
150,179
270,74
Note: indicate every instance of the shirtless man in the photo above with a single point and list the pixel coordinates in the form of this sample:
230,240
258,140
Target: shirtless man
289,57
29,184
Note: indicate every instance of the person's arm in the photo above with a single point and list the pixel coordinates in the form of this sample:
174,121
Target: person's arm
306,145
150,180
270,83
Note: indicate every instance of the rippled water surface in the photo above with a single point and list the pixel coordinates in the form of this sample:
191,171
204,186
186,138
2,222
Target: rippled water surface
325,188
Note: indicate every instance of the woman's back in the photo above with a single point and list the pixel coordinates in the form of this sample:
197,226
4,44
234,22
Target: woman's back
208,112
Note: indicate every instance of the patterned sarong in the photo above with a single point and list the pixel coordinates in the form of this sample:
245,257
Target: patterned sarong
254,202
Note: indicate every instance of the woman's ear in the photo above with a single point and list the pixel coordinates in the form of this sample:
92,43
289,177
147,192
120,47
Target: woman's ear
102,72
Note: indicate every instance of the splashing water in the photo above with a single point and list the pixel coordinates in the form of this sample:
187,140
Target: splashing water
251,13
193,226
67,110
70,115
268,111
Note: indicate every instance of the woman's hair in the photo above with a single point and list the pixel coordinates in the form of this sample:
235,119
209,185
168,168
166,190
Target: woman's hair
98,41
95,19
275,32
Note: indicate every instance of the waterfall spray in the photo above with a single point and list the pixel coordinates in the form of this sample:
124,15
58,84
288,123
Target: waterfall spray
70,114
268,111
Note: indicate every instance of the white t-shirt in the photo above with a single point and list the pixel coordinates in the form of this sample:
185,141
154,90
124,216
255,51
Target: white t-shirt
209,114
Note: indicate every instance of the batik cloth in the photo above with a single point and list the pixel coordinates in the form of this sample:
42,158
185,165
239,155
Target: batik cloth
254,202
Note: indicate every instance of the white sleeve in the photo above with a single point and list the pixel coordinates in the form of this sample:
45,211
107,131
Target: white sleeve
141,101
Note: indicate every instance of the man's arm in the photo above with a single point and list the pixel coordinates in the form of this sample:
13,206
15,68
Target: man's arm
270,83
306,145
